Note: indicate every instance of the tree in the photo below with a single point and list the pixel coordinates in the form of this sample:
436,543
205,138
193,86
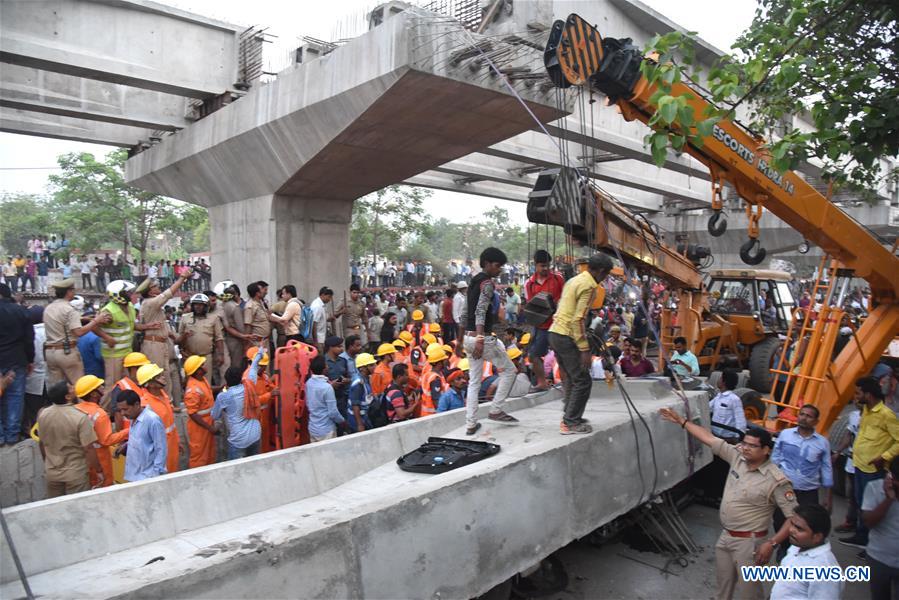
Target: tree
94,202
383,220
24,216
189,225
833,60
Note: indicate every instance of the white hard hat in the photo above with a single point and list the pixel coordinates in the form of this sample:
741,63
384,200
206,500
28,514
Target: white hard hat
221,286
199,298
118,286
77,303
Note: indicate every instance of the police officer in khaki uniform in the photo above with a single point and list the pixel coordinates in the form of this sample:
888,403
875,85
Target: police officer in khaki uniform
754,488
236,338
199,334
256,313
355,319
62,326
156,344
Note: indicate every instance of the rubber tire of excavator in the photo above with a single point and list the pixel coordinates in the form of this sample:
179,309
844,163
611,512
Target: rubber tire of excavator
761,359
753,407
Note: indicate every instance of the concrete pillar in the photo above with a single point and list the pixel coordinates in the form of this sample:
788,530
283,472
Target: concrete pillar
282,240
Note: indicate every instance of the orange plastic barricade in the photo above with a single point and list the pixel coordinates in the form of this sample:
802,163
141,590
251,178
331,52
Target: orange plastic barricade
290,414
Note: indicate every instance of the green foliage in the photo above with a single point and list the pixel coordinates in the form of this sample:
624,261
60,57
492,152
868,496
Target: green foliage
382,221
834,60
92,201
440,241
22,216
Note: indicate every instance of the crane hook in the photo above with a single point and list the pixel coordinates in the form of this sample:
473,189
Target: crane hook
753,245
717,224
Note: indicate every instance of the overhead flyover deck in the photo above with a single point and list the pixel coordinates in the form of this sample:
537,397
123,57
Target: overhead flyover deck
339,519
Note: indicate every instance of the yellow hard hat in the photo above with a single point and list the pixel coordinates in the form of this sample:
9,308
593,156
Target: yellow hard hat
525,339
193,363
463,364
87,384
436,353
430,339
417,315
513,352
364,359
399,344
251,354
135,359
148,372
448,348
385,349
434,328
406,337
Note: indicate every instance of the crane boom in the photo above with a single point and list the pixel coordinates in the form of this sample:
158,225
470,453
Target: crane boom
577,55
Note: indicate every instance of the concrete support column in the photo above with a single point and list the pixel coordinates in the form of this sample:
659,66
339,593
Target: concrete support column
282,240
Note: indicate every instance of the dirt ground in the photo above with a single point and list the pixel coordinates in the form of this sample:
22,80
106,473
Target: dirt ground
615,570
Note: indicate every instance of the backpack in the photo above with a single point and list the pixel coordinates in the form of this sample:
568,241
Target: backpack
377,410
306,322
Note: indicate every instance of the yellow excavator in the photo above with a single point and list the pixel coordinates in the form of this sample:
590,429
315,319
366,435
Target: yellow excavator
802,369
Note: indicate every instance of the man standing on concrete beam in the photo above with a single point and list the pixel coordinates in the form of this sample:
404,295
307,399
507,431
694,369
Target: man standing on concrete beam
481,344
568,338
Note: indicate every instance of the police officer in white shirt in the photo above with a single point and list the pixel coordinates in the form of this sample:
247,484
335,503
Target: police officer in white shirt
726,408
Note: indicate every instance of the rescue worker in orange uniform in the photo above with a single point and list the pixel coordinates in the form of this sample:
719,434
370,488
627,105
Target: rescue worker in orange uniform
434,329
89,390
131,362
453,360
433,383
152,394
410,343
267,393
417,327
426,341
198,399
382,376
415,362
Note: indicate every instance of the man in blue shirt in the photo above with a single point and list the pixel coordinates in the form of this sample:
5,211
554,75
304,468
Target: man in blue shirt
244,433
360,393
804,457
321,402
89,347
146,449
683,362
453,397
352,347
338,371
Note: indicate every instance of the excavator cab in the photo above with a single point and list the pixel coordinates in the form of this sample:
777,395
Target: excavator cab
758,304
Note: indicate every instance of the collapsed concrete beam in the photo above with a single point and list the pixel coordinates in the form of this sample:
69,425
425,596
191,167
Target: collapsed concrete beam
129,42
14,120
339,519
35,90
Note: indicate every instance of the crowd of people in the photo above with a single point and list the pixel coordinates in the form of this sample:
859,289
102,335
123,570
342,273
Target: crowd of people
103,381
29,272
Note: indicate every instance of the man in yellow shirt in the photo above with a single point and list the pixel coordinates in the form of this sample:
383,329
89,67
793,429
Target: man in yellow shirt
568,338
876,444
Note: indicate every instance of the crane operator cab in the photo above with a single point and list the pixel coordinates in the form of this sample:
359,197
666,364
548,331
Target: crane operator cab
762,297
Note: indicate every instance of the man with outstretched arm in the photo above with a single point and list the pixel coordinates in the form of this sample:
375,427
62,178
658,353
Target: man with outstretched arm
754,488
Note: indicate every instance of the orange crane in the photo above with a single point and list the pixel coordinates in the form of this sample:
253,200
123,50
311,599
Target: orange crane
577,55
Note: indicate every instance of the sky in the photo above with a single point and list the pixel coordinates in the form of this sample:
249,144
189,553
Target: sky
26,161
